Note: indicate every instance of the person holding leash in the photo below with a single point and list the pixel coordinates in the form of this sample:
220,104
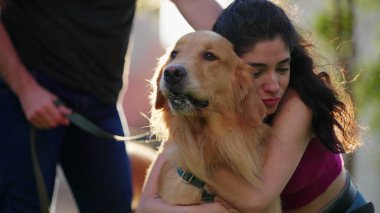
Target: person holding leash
72,52
311,122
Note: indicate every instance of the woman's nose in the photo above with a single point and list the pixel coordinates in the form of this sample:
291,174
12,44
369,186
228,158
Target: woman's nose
272,83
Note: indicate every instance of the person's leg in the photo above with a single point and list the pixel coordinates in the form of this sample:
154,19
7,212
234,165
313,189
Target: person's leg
18,192
97,170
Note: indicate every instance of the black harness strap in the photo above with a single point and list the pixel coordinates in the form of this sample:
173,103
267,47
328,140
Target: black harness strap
189,178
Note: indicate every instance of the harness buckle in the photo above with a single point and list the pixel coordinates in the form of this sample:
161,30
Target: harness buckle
187,177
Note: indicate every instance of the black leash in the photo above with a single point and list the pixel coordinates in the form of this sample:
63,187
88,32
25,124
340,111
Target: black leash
86,125
40,181
89,127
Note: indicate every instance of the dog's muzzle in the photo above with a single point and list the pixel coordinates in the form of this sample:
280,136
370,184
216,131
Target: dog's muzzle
174,77
174,74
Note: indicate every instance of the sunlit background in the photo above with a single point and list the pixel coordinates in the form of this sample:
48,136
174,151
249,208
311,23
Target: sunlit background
345,32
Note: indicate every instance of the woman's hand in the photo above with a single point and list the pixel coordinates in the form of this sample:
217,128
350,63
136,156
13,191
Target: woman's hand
150,201
155,204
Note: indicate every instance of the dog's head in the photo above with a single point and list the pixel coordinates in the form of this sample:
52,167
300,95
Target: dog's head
202,74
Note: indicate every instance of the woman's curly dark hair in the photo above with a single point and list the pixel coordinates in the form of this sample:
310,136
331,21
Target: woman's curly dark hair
246,22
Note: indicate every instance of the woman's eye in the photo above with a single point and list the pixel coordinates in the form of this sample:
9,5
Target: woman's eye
283,70
210,57
257,74
173,54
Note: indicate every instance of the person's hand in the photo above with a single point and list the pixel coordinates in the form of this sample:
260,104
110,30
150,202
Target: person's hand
226,205
215,207
155,204
39,108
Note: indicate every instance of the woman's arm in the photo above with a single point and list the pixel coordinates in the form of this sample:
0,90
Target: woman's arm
291,135
292,132
200,14
150,201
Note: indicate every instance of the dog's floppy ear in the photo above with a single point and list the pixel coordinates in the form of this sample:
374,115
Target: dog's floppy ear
156,97
249,104
159,98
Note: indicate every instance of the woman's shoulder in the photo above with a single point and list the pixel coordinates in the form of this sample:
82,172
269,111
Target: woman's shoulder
292,103
293,117
292,97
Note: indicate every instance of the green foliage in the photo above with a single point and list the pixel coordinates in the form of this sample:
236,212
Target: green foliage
367,90
323,25
335,26
148,6
369,4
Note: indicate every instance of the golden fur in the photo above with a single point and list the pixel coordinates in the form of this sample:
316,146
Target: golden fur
211,113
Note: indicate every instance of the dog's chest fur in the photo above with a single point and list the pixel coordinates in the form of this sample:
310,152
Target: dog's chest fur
201,145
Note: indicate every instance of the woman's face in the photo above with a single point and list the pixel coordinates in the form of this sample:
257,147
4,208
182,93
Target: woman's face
270,60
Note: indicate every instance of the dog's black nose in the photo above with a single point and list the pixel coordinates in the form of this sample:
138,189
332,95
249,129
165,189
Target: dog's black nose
174,73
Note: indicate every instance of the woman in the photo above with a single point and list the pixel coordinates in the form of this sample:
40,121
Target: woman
311,125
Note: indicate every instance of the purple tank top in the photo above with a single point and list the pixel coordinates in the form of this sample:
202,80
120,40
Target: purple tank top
317,169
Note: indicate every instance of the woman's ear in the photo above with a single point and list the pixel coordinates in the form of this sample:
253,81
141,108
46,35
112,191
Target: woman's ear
250,105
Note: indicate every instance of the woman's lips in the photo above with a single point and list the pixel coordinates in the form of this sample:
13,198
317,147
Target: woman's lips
271,101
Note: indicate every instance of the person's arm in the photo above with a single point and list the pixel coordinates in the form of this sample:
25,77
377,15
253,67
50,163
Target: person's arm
36,101
200,14
150,201
292,132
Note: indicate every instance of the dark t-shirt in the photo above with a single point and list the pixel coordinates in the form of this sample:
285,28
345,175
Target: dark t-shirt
81,43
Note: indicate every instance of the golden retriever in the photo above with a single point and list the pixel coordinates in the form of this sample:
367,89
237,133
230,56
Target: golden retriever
205,102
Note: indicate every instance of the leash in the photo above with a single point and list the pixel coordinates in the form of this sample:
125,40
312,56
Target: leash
40,181
87,126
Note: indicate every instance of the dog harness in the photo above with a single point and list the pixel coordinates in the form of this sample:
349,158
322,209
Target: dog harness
189,178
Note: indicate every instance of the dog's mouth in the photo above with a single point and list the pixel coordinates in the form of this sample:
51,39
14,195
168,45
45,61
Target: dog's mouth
181,101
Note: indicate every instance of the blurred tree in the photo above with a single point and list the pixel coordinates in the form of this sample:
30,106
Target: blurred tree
367,87
148,7
336,25
367,90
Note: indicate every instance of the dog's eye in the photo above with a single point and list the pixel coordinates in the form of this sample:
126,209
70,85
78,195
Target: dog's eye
173,54
210,57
